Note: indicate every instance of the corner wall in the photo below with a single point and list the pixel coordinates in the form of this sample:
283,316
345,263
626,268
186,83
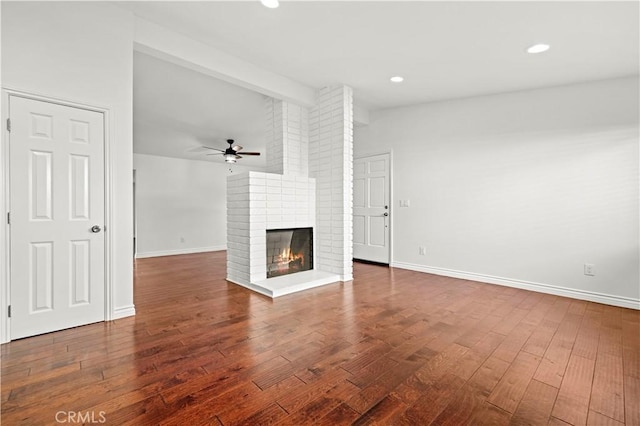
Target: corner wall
520,189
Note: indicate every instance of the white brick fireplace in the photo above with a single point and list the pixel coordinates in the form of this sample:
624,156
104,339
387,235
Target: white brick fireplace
308,183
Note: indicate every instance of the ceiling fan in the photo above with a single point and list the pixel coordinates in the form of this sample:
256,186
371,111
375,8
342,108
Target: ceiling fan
230,154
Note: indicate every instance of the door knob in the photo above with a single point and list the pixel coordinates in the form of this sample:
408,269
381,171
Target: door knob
95,229
385,214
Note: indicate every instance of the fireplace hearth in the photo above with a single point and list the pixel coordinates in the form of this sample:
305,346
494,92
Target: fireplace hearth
289,251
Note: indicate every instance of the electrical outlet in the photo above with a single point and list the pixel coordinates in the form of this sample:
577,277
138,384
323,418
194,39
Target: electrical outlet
421,251
590,269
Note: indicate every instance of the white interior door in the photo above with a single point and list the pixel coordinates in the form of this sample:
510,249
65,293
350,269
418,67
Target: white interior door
371,213
57,216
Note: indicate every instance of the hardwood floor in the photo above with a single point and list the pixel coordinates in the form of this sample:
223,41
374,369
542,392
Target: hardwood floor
393,347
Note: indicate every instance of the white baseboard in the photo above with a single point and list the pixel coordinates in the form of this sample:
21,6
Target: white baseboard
179,251
607,299
125,311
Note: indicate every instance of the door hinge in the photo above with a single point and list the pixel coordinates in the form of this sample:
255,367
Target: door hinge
9,311
8,124
8,218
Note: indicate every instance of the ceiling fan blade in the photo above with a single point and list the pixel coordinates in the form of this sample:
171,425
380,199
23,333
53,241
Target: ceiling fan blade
250,153
238,156
217,153
215,149
236,148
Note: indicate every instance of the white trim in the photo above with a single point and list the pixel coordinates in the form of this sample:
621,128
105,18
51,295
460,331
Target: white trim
5,283
392,209
179,251
5,259
57,101
4,240
108,219
607,299
123,312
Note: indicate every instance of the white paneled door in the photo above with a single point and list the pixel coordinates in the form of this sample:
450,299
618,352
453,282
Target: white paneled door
57,216
371,213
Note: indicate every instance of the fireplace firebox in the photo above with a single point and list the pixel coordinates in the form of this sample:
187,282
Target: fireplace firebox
289,251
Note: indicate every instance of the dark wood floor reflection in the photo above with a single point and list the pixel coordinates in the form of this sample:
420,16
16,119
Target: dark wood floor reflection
393,347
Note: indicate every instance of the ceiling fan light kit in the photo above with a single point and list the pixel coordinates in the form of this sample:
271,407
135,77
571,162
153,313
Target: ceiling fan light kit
230,154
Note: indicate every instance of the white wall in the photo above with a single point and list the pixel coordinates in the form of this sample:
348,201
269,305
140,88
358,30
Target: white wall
180,205
519,189
82,52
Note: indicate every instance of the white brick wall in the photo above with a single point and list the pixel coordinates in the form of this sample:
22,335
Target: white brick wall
299,144
238,229
274,136
274,202
331,163
287,138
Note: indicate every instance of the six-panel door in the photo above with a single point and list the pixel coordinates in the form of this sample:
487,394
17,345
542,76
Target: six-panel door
57,197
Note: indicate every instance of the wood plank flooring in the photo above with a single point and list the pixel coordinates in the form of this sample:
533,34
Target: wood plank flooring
393,347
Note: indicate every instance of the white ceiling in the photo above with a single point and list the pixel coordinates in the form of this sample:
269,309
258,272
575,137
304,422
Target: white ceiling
176,111
444,50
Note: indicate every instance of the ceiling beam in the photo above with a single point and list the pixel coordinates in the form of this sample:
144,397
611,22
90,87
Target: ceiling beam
165,44
170,46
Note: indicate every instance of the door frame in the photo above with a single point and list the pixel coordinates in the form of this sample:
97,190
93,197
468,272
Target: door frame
5,192
391,206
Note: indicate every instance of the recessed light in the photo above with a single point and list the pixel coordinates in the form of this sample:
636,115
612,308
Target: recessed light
538,48
271,4
397,79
